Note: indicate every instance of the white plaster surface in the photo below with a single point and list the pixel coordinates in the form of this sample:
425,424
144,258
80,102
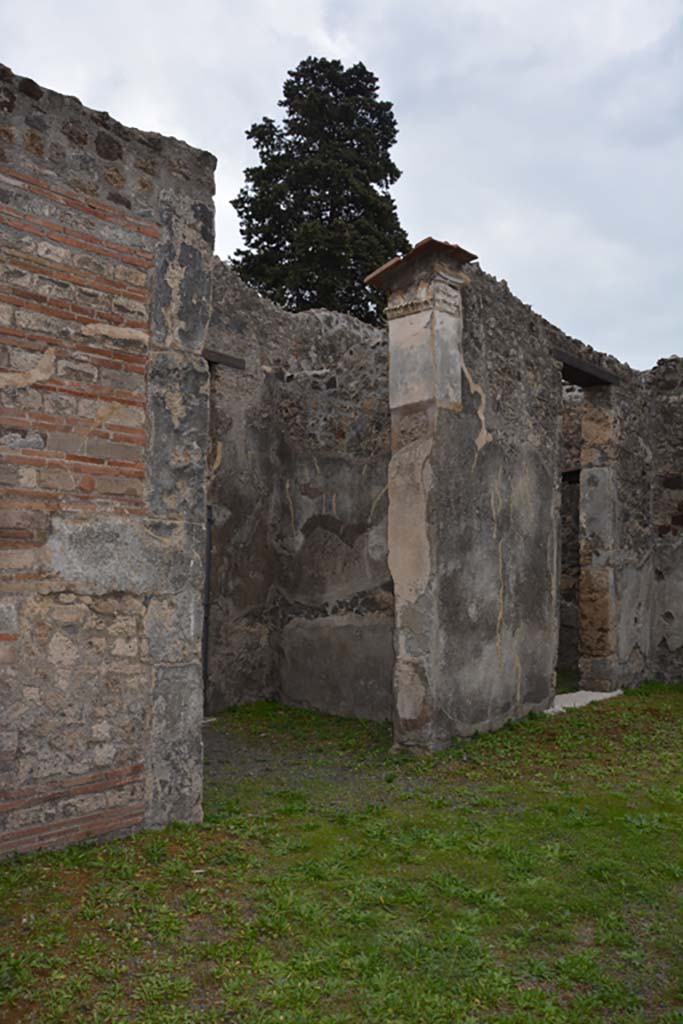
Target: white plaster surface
564,701
411,359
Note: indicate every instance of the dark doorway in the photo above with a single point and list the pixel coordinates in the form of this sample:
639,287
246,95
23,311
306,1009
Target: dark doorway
578,376
570,561
570,574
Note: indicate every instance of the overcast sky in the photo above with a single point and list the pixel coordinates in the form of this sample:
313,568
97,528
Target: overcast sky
543,135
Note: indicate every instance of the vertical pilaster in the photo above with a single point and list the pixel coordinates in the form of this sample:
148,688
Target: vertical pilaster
599,664
425,377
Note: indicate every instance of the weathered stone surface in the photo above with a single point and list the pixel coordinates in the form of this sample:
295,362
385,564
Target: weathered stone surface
178,410
570,569
664,385
498,587
104,432
173,626
597,610
616,535
412,560
174,778
139,556
441,612
667,611
77,701
181,302
472,508
298,490
340,664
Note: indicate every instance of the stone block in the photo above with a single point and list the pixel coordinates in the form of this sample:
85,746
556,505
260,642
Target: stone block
340,664
174,760
136,556
9,615
173,627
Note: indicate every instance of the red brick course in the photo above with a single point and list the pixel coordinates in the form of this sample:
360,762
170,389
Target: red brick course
59,789
72,830
76,201
88,243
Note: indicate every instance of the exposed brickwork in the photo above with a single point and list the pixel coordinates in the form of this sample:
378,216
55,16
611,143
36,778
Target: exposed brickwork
106,241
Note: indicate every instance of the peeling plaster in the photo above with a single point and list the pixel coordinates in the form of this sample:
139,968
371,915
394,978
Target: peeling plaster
483,437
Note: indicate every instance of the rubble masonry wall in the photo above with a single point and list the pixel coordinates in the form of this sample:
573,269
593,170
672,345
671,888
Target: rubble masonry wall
110,298
665,387
301,603
106,236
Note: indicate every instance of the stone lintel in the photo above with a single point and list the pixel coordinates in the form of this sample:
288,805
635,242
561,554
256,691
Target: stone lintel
583,373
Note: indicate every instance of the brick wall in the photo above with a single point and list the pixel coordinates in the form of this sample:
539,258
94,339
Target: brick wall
106,239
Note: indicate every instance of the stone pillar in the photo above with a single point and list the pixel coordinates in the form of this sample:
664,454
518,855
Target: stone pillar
598,546
425,377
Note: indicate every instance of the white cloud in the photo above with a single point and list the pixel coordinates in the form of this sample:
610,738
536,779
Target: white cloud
544,135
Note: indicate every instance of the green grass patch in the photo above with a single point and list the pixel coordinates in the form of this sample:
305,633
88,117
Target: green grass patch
534,874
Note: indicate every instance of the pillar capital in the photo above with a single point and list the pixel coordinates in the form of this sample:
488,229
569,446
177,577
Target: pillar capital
426,278
427,259
425,324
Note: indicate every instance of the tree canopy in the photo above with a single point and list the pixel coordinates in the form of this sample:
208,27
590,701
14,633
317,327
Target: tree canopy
316,215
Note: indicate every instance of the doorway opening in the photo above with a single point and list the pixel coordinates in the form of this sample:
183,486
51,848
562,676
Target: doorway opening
568,653
578,600
568,673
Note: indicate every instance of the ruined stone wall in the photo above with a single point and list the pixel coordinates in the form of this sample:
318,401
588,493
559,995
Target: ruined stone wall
243,465
301,604
478,452
106,237
496,513
475,398
665,387
616,538
106,280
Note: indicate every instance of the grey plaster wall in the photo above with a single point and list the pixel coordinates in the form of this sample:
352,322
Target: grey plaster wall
301,606
665,387
496,511
473,500
481,437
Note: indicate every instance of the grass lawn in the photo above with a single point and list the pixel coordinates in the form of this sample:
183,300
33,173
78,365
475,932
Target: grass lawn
531,875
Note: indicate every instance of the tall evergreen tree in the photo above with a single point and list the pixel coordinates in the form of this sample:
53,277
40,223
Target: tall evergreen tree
316,215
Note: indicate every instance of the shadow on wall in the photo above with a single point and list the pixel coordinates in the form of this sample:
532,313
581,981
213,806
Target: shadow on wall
301,595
